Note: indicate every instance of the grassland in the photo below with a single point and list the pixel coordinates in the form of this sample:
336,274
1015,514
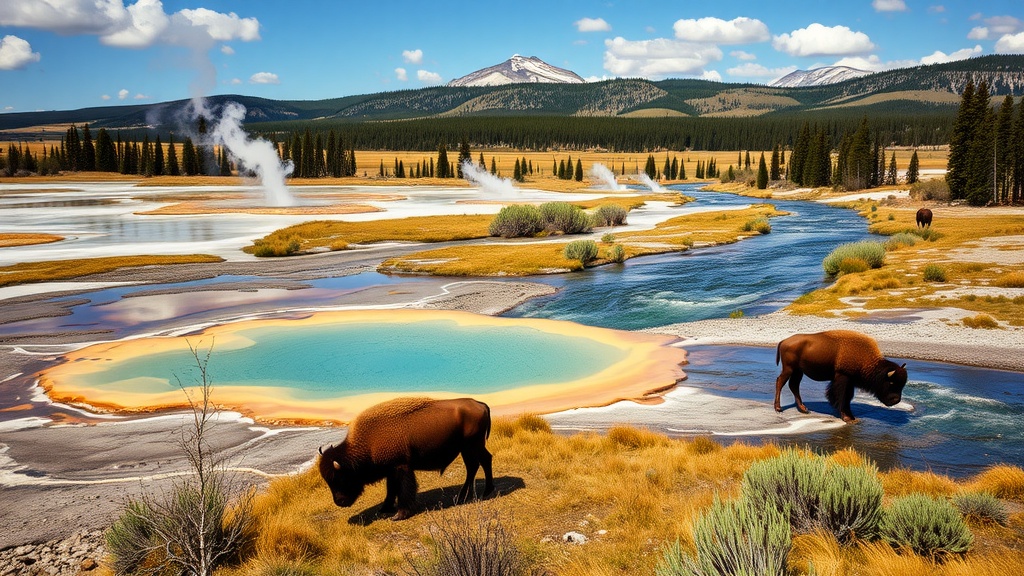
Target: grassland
28,272
524,259
9,240
630,492
977,250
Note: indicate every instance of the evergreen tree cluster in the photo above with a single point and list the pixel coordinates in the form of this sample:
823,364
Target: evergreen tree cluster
986,150
318,156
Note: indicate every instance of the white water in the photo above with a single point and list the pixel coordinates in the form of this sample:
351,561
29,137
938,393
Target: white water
487,182
602,173
644,179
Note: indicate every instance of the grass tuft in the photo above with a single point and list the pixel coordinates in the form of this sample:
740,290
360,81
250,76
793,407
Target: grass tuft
983,321
981,507
871,252
934,273
928,526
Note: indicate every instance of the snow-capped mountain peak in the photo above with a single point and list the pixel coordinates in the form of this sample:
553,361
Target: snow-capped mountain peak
818,76
518,69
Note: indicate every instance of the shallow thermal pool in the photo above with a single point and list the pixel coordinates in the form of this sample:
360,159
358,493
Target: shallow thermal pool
332,364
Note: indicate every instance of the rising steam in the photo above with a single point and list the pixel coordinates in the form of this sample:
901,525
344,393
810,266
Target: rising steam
644,179
256,155
486,181
601,172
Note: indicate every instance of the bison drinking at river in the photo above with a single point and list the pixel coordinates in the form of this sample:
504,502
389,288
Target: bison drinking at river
393,439
845,359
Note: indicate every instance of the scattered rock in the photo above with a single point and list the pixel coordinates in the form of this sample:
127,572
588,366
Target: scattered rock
574,538
87,565
68,557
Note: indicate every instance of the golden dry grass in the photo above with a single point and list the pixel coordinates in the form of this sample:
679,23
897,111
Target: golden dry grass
900,282
64,269
631,492
17,239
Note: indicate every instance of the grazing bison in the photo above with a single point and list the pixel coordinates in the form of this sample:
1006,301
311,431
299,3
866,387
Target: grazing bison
845,359
924,217
392,439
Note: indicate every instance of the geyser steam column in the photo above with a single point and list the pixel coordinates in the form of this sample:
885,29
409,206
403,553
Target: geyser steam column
253,154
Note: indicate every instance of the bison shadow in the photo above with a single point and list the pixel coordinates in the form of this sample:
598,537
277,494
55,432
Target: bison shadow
863,411
441,498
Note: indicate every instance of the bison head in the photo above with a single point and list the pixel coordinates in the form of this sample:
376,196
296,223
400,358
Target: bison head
346,486
890,389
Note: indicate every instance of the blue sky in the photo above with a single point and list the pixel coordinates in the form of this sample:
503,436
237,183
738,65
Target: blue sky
68,54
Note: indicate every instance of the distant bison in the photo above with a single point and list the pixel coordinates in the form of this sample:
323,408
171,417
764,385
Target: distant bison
845,359
924,217
393,439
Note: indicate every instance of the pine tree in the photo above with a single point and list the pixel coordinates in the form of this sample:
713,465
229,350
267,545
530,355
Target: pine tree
569,175
88,151
442,161
158,157
960,137
561,169
746,161
773,173
1018,155
858,160
650,168
517,172
799,155
675,168
666,172
146,164
173,168
189,159
762,174
980,175
494,166
464,155
482,164
106,155
682,171
1004,149
890,175
579,170
380,170
912,169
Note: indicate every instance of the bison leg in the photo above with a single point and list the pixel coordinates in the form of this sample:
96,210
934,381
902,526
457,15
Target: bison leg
779,383
485,461
840,394
393,483
406,493
794,386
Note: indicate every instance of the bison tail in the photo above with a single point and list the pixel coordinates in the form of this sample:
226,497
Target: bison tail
487,420
778,353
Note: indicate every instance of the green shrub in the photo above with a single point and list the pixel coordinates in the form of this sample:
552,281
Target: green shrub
618,253
845,501
610,215
981,321
852,266
928,233
736,314
761,225
564,217
517,220
901,239
735,537
867,250
874,207
608,238
934,189
934,273
129,538
274,246
582,250
981,507
891,216
926,525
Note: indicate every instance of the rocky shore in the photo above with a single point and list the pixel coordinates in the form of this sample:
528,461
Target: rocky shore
80,553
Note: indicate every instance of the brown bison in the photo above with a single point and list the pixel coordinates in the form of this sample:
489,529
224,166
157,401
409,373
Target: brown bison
394,438
924,217
845,359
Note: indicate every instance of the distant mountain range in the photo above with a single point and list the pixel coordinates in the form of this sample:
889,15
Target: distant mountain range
818,77
516,70
562,93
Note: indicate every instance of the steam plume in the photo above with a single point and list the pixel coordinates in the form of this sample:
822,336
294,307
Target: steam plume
485,180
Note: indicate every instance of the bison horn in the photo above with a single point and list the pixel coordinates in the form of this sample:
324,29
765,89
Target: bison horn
336,465
891,372
904,365
320,450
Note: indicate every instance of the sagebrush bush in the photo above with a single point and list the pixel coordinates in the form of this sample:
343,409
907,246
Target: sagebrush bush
934,189
564,217
981,507
1010,280
901,239
845,501
928,526
736,537
928,233
608,238
760,225
618,253
610,215
129,539
934,273
517,220
981,321
274,246
582,250
868,250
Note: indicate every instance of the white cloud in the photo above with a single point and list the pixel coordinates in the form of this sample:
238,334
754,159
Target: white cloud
236,81
428,77
8,108
657,58
138,25
740,30
1000,25
122,94
592,25
264,78
401,74
889,5
140,96
873,63
412,56
228,50
16,53
601,78
1010,44
105,97
939,57
751,70
711,75
816,40
741,55
978,33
